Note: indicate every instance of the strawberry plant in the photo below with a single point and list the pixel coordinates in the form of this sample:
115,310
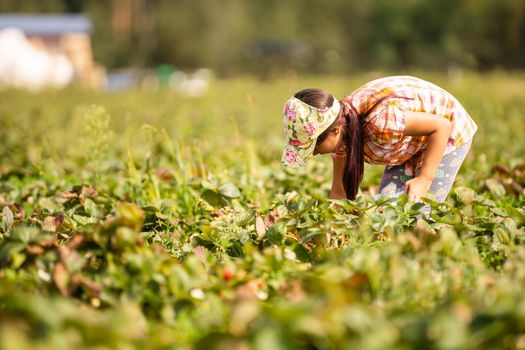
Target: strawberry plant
150,220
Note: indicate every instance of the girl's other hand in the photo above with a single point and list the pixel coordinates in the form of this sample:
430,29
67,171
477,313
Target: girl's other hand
417,188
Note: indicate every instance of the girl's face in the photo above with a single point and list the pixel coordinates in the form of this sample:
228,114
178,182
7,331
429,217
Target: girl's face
333,142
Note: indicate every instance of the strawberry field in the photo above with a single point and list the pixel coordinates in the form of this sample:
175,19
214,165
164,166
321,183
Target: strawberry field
144,219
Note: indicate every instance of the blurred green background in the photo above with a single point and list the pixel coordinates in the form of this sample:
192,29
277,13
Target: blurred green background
270,37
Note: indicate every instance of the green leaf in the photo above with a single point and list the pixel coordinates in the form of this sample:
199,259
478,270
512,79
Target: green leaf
131,215
7,218
301,253
210,184
213,198
84,220
502,235
91,208
51,205
451,217
27,234
499,211
229,190
464,194
309,234
510,226
7,249
495,187
275,235
377,221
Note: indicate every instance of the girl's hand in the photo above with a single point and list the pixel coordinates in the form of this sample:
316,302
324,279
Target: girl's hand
417,188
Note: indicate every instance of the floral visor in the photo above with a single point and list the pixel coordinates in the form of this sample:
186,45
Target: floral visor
302,125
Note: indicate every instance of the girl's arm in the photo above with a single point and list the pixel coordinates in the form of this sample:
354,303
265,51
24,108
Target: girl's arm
438,131
338,189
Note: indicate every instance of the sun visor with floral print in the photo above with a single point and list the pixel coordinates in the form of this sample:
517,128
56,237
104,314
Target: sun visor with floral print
302,125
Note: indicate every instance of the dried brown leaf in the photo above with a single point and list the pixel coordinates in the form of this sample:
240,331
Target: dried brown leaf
92,288
35,250
88,192
248,290
3,201
292,290
200,252
68,195
52,223
75,242
61,279
501,169
260,227
357,280
264,223
165,174
516,187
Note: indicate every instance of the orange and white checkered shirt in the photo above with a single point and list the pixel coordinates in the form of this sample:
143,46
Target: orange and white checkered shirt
384,139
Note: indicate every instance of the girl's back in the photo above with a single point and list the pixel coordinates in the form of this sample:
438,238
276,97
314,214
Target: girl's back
384,126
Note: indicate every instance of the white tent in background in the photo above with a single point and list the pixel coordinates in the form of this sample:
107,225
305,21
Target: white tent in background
24,65
40,50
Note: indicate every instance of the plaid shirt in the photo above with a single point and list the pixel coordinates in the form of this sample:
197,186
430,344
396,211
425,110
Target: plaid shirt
384,139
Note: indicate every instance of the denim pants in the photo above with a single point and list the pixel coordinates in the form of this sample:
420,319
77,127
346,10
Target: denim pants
394,178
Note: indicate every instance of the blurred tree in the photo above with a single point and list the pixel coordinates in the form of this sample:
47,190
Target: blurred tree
74,6
272,36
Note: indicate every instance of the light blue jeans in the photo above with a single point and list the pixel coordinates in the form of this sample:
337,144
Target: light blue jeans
394,178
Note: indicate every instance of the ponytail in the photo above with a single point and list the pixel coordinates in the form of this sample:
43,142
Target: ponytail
353,139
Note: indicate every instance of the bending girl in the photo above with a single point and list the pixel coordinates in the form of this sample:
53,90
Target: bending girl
419,131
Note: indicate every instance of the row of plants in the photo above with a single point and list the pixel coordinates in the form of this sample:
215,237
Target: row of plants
170,241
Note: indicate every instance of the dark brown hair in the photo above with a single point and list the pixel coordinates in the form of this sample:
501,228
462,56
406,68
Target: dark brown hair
352,134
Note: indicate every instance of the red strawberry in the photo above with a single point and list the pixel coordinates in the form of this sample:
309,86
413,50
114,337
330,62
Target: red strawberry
227,274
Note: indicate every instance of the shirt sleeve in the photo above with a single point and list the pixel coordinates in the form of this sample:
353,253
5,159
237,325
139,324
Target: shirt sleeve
386,124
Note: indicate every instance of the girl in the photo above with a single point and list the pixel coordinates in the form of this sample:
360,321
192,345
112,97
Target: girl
418,130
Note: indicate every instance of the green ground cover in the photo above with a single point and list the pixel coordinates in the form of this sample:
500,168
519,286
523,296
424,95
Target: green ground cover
148,220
